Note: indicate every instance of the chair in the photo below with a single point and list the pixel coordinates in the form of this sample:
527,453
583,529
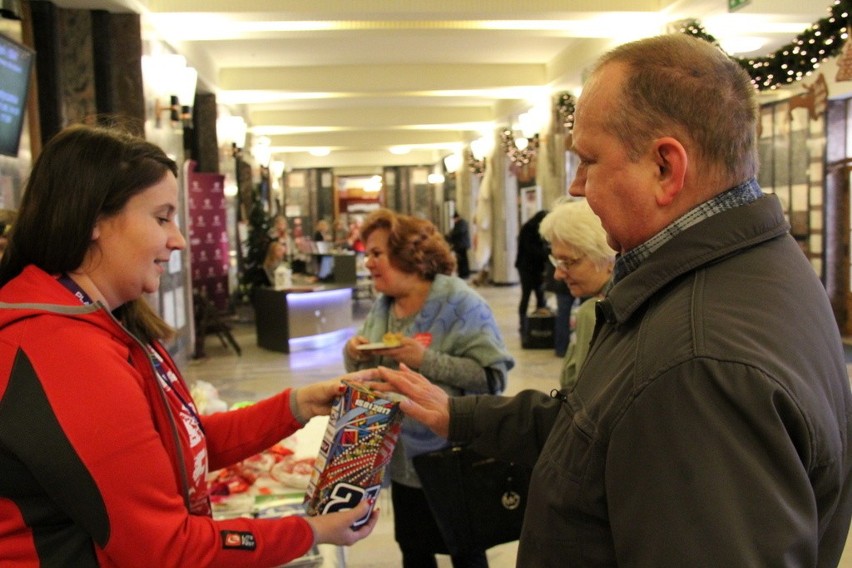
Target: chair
209,320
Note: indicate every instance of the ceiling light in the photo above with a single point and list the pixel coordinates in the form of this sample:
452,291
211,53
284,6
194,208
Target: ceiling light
452,163
166,77
481,147
320,152
260,150
374,184
400,150
10,9
231,131
741,44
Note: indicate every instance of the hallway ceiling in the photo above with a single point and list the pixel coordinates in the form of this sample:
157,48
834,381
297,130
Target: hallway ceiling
360,77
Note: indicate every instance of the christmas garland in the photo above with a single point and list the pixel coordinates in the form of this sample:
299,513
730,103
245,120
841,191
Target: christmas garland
519,157
476,167
792,62
565,103
798,58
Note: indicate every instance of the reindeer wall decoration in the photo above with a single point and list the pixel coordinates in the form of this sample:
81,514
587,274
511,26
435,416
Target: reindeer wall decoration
814,99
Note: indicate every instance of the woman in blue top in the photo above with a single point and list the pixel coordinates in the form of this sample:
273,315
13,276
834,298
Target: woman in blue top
447,332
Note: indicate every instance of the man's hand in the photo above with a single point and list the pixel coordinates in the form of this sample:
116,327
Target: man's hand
336,528
426,402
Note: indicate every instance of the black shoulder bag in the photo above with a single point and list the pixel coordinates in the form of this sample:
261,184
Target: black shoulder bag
477,501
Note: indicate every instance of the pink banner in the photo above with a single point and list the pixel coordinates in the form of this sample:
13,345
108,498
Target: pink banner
208,235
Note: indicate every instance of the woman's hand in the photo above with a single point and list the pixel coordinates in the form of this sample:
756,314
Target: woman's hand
336,528
426,402
352,350
316,399
409,353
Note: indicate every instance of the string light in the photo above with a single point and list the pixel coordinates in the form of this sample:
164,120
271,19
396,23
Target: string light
799,58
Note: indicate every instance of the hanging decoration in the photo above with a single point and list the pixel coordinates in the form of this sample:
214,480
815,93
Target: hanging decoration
794,61
518,156
476,167
844,62
565,103
814,99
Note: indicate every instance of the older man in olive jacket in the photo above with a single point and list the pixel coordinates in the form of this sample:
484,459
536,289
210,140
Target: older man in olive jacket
710,424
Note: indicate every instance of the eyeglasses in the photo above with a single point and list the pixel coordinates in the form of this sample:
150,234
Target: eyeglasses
563,263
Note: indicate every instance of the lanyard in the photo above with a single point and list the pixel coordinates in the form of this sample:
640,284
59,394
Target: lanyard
153,356
75,289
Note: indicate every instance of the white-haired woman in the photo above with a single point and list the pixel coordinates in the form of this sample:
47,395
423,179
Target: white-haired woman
583,260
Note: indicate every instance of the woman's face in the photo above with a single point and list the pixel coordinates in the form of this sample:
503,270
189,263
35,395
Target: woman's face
582,276
387,279
281,225
130,250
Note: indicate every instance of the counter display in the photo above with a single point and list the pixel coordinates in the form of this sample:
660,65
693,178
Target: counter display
302,317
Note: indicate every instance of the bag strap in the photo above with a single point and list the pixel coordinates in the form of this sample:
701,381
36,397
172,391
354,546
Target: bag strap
492,381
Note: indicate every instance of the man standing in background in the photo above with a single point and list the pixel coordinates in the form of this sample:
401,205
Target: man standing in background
459,239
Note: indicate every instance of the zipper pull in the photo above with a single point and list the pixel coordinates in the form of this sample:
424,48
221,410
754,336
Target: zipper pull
557,394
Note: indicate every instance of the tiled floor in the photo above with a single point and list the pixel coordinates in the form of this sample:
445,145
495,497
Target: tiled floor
259,373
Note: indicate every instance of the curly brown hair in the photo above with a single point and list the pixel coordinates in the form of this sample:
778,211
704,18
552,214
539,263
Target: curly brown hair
415,246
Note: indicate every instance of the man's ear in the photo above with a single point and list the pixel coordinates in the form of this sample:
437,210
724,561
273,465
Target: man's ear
671,159
96,231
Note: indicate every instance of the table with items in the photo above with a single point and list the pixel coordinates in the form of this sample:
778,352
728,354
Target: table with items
272,485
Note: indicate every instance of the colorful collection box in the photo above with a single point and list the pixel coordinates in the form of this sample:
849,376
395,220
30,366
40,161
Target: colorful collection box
363,428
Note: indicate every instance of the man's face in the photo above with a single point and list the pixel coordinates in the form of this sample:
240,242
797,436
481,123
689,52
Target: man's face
618,190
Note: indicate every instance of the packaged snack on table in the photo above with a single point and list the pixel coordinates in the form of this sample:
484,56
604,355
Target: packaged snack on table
362,431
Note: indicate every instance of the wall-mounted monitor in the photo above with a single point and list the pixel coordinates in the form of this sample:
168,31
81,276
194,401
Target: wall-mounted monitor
16,63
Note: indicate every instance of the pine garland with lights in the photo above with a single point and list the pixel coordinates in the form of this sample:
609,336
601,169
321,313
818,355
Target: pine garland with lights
795,60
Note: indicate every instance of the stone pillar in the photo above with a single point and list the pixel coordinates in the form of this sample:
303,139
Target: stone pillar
87,64
117,46
205,144
64,70
504,219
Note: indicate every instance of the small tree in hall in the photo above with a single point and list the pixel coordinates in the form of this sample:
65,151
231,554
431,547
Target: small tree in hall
256,245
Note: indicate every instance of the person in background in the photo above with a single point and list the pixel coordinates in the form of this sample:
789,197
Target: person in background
323,262
280,230
276,255
562,328
530,261
583,260
459,238
446,331
321,231
711,423
355,240
340,234
104,455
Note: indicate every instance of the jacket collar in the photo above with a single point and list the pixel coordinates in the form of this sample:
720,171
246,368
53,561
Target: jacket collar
704,243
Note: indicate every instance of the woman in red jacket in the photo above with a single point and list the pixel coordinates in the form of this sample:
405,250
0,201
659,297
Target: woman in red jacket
103,455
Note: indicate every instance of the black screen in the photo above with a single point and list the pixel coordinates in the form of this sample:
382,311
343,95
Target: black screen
15,64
